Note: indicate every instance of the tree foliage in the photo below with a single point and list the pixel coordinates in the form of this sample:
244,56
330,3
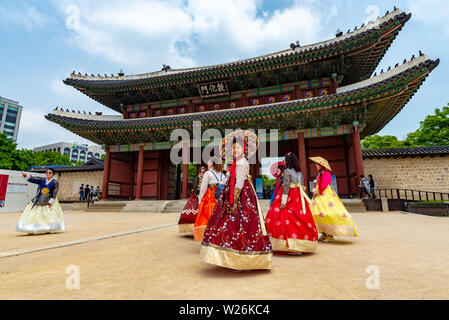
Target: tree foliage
433,131
13,159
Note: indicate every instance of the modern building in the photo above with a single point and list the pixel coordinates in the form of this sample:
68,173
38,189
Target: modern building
10,113
323,98
75,151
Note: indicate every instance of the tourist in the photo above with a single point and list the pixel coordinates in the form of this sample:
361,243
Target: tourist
236,237
289,221
188,214
279,179
364,187
330,215
372,186
43,214
86,193
211,184
82,192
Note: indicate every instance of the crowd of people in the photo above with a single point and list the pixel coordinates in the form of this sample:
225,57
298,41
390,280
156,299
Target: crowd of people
89,194
367,186
223,211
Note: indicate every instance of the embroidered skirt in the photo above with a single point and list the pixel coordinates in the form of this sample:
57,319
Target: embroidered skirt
237,241
331,216
291,229
188,215
41,219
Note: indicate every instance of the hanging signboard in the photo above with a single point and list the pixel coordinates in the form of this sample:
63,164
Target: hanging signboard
213,89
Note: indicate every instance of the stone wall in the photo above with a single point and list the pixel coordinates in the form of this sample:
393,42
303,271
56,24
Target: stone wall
70,182
423,174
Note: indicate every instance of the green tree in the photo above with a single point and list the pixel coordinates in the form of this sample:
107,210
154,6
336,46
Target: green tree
433,131
381,142
103,157
7,152
267,181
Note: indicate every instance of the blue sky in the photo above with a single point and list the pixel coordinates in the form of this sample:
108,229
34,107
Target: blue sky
43,41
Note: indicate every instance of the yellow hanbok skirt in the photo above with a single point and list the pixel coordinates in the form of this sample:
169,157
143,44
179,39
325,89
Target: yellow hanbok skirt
41,219
331,216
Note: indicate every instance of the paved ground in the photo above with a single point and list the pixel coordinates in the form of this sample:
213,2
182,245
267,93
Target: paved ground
410,251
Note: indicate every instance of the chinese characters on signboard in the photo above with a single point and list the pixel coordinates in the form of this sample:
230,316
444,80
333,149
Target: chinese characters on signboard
213,89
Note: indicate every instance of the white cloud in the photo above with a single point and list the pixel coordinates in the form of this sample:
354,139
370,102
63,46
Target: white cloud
24,15
141,35
432,13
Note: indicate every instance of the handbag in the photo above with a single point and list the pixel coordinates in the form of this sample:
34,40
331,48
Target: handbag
219,186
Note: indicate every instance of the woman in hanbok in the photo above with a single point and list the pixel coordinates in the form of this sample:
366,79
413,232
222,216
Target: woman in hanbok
188,214
43,214
279,180
235,236
211,181
330,215
289,221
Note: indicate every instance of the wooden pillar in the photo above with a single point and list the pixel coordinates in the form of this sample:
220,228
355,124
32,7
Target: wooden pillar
107,169
302,157
358,160
297,92
140,174
185,180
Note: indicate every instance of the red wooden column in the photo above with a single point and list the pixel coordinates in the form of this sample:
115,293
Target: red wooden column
107,169
185,180
140,174
303,159
358,160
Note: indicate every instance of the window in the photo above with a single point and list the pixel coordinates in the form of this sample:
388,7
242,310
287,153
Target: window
97,155
83,155
89,155
67,151
74,155
2,106
59,149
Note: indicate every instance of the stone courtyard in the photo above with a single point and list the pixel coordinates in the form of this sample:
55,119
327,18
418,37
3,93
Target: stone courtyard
142,256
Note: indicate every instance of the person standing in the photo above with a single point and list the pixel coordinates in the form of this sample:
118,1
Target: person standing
212,180
82,192
289,221
43,214
372,186
190,210
86,193
279,181
364,187
235,237
330,215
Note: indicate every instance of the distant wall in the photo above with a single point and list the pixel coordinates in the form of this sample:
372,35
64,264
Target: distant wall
70,182
19,191
424,174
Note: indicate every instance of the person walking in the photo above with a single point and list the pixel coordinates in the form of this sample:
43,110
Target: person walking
330,215
43,214
289,221
235,237
364,187
372,186
82,192
86,193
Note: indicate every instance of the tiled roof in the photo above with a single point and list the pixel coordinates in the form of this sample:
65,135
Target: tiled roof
91,165
406,152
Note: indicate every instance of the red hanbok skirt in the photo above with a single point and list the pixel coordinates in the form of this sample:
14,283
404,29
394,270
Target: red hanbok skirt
188,215
204,211
236,241
291,229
